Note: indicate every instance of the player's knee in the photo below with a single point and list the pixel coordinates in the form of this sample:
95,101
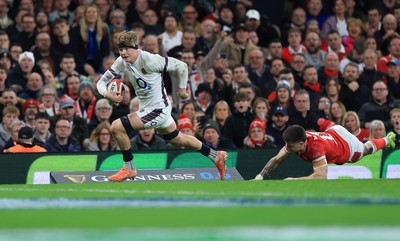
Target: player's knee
115,126
124,124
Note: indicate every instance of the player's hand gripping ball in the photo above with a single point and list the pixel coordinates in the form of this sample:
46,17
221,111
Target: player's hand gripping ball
116,87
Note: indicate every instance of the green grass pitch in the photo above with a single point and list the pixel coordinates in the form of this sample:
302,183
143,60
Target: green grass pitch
219,211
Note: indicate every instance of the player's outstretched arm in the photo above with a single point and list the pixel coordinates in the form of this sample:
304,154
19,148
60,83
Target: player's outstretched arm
273,163
320,171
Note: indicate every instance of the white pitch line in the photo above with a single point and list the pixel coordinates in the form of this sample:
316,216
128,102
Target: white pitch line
202,193
240,233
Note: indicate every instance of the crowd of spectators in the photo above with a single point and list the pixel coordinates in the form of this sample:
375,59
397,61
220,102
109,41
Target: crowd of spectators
250,76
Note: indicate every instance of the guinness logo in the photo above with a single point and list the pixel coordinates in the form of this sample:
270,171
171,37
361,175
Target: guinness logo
76,178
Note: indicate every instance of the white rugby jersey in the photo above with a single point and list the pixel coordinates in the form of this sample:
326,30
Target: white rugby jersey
145,76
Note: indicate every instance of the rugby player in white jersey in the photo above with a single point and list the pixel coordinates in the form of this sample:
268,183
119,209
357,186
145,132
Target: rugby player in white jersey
145,73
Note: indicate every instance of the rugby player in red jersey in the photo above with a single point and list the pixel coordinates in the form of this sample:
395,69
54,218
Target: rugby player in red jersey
334,145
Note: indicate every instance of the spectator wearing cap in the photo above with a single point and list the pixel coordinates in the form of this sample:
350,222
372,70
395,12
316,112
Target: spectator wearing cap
204,100
29,110
171,37
189,20
279,123
238,123
185,125
283,96
86,101
265,30
303,114
394,53
62,140
18,76
238,47
212,136
257,137
33,86
286,74
393,78
25,142
295,46
79,127
378,107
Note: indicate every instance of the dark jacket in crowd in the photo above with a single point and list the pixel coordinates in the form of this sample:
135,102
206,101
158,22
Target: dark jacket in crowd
51,145
156,143
237,126
373,111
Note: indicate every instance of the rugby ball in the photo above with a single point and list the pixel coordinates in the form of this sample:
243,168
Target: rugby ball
116,85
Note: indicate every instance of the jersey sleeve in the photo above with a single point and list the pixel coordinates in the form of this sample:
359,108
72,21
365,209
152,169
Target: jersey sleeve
109,75
181,70
315,152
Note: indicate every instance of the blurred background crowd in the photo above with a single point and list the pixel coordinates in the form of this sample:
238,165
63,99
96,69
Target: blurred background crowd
255,67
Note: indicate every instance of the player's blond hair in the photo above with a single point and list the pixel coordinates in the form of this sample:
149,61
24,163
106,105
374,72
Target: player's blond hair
128,38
